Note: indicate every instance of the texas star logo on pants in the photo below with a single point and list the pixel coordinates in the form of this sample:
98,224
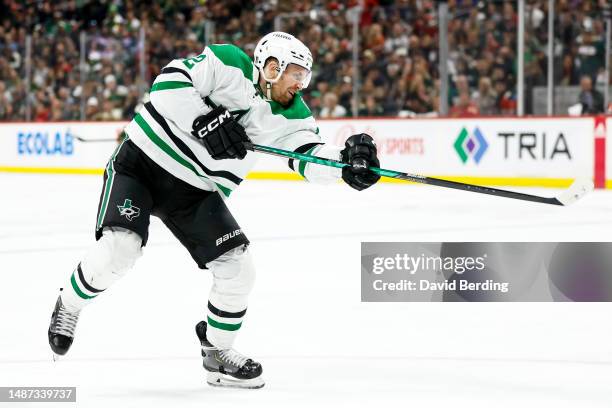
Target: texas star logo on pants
128,210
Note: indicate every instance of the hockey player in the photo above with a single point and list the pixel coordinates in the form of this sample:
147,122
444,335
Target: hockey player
182,155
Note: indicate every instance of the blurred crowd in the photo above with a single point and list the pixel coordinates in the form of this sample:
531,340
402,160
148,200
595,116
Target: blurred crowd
87,57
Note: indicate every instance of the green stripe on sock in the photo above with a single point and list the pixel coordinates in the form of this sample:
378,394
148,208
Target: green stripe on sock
77,290
160,86
223,326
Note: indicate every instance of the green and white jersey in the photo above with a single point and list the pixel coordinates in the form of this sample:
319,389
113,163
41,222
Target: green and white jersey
222,75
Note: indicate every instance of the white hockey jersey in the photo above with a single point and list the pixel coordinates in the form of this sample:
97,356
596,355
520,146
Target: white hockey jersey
222,75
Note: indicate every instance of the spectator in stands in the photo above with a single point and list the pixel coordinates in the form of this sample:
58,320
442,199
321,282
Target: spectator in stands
568,72
417,99
67,104
506,102
56,109
374,39
42,112
464,107
458,86
486,98
482,44
18,100
398,38
92,109
395,83
371,107
331,109
602,80
5,102
591,51
108,112
113,92
345,94
591,100
131,103
327,71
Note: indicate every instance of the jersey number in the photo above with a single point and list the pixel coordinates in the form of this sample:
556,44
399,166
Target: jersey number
190,62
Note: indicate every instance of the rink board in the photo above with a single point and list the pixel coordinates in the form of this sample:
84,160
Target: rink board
548,152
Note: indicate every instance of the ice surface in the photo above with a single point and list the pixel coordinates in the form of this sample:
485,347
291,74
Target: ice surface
320,346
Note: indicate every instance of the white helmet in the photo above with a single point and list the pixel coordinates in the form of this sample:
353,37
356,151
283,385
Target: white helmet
287,50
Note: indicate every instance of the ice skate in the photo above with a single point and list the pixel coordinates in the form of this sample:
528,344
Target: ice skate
61,329
227,368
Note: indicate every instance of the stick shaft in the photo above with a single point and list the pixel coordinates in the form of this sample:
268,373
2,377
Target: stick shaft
101,140
415,178
410,177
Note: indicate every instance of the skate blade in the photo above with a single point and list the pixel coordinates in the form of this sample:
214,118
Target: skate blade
56,357
226,381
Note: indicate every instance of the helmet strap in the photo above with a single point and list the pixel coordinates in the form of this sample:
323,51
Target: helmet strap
268,90
269,82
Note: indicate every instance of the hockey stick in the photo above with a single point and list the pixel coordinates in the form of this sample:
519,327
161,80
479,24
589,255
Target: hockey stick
103,139
578,189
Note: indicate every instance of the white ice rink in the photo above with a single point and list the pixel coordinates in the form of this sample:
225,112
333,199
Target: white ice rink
319,345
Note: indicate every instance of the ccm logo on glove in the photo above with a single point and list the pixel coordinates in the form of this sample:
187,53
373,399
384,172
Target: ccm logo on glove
222,136
214,123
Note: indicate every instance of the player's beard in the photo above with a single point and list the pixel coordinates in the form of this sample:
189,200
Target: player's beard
285,97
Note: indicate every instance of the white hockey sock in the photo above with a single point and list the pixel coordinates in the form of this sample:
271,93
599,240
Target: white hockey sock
108,260
234,276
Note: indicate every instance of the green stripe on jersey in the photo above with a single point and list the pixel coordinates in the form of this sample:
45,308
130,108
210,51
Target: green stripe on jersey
233,56
110,176
160,86
170,152
226,191
224,326
302,166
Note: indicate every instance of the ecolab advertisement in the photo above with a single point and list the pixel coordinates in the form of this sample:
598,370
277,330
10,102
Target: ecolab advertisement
31,146
548,152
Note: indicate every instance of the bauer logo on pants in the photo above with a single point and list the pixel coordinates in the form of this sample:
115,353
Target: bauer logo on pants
128,210
225,237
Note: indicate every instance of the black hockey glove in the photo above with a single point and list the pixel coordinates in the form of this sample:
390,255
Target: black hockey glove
221,134
360,153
